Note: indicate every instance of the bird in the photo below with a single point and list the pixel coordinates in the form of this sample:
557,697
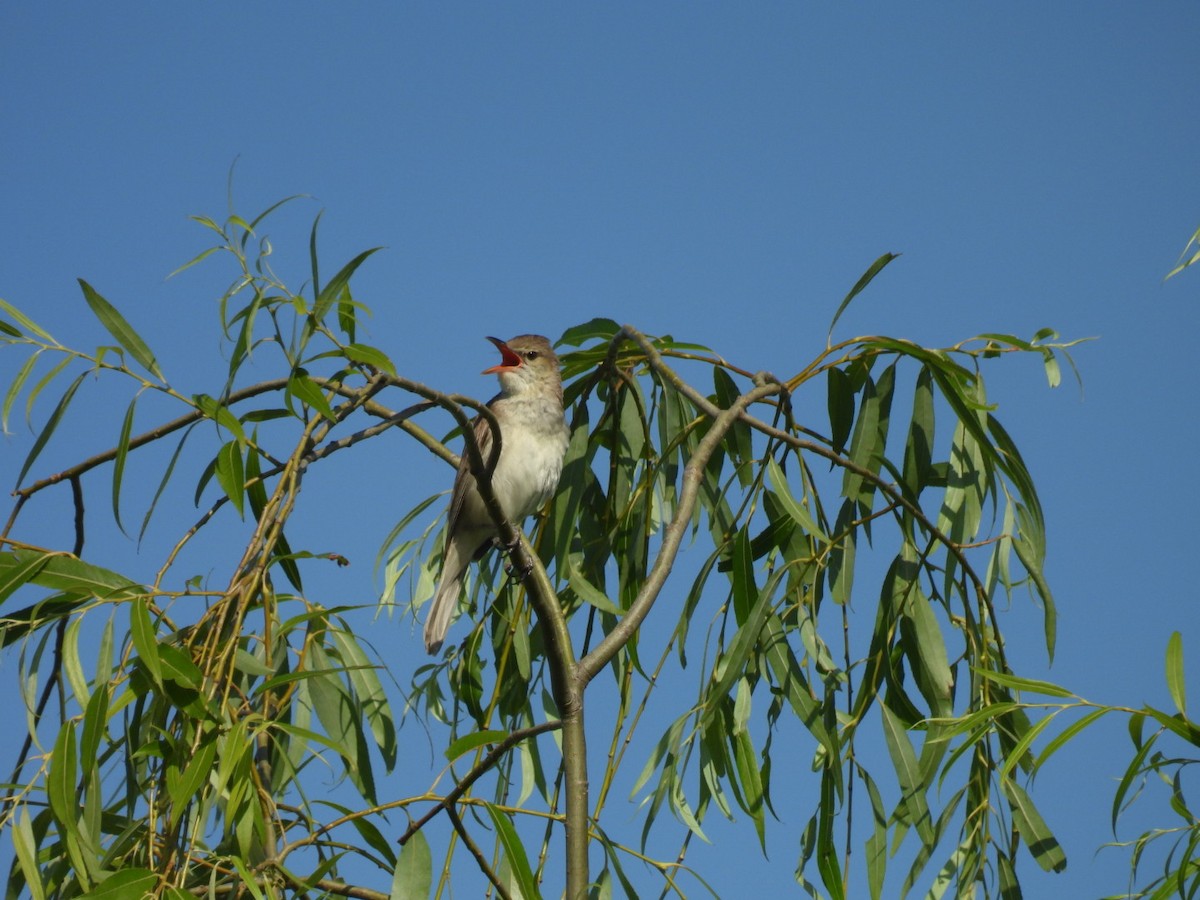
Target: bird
533,442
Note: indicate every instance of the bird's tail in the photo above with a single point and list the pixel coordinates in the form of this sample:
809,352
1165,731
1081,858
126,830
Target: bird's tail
457,557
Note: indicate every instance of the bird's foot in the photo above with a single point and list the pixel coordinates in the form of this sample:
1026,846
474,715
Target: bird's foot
511,569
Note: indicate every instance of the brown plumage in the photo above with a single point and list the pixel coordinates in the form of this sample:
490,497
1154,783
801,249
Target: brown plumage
533,439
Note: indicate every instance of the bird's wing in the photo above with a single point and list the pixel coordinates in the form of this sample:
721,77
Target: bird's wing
464,481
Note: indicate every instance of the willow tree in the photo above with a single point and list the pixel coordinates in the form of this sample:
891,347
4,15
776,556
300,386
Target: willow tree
834,579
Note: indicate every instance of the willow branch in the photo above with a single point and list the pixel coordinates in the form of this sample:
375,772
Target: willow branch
474,850
475,773
673,533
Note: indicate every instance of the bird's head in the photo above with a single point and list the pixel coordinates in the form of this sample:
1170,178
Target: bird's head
527,362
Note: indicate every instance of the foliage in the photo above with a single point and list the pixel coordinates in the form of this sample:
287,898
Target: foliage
838,594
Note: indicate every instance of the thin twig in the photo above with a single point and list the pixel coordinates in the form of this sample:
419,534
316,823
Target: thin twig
477,771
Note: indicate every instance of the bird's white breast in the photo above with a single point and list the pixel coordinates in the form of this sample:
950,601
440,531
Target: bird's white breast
534,439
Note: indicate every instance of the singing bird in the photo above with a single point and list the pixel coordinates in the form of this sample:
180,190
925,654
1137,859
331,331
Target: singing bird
533,440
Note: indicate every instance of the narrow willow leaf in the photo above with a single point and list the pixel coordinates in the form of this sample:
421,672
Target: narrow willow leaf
877,843
413,876
796,510
27,323
60,781
194,776
931,665
1175,672
121,330
514,852
304,389
341,717
61,572
231,475
72,664
119,461
840,403
1033,830
124,885
918,449
330,292
596,329
51,424
145,639
371,356
219,413
1017,683
18,568
162,484
750,778
745,591
908,774
1067,734
369,692
469,742
27,851
591,594
14,389
842,556
95,724
826,848
789,675
865,450
875,269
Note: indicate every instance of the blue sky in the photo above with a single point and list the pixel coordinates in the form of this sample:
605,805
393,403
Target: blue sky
721,172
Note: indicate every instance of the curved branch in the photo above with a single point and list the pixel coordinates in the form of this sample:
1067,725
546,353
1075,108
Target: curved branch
476,772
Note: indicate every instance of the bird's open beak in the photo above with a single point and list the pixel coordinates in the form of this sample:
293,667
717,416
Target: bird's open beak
508,359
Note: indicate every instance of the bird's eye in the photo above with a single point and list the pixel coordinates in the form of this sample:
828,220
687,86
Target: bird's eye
531,354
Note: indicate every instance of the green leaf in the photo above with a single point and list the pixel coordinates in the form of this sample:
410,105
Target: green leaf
1175,672
26,849
876,268
840,403
750,778
369,692
330,292
121,330
927,647
128,884
745,591
370,356
591,594
514,852
18,568
304,389
596,329
51,424
27,323
60,781
1017,683
231,475
119,461
469,742
14,389
145,639
908,773
797,511
918,450
1033,830
61,572
413,876
220,414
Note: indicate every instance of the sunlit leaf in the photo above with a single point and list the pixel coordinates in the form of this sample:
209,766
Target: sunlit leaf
514,852
48,429
120,329
1033,830
413,875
